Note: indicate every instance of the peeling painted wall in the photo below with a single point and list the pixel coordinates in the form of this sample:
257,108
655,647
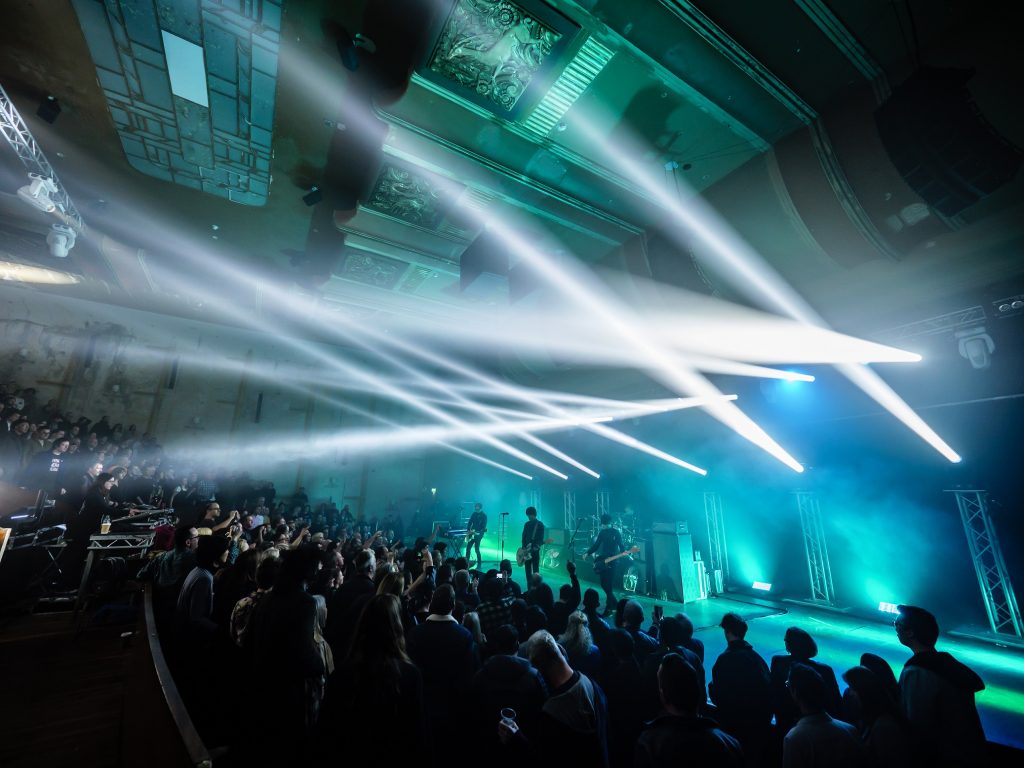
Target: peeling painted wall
151,370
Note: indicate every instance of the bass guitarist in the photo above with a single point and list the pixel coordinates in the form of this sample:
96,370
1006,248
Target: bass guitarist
608,543
477,526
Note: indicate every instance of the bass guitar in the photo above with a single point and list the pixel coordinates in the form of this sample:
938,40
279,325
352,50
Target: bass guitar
602,564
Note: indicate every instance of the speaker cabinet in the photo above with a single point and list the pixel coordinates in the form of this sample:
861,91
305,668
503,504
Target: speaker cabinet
940,142
674,574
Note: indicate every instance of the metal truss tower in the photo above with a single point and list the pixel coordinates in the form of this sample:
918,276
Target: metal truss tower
534,497
993,578
569,511
718,552
818,567
25,146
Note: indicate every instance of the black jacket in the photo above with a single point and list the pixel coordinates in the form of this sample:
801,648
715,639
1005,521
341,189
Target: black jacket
741,688
447,657
503,682
670,741
343,611
786,711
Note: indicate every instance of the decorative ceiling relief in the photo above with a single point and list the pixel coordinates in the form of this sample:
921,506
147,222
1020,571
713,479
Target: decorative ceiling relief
493,48
373,269
410,196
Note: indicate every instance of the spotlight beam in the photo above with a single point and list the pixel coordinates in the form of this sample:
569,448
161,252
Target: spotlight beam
748,272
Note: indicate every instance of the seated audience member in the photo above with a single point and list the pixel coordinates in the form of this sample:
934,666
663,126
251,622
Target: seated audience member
348,600
802,650
582,654
567,602
679,735
741,688
817,741
883,728
375,696
672,636
447,658
937,693
505,681
572,728
632,617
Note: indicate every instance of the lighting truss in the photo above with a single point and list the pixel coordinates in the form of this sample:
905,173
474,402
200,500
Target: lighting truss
718,552
28,151
993,578
818,567
569,510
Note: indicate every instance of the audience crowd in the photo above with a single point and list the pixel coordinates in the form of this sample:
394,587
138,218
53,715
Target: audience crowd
300,637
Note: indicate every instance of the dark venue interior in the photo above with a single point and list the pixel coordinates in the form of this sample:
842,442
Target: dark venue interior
513,382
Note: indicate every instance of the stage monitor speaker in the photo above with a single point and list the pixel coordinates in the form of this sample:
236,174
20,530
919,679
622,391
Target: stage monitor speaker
674,574
941,144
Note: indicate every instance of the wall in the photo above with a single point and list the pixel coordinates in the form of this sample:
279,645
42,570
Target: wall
196,384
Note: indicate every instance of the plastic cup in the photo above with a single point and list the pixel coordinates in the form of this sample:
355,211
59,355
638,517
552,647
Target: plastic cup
105,527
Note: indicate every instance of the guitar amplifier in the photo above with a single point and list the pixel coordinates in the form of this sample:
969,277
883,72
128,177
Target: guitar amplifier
560,536
674,574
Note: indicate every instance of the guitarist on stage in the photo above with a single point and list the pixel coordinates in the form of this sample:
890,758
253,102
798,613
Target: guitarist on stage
607,544
477,526
533,538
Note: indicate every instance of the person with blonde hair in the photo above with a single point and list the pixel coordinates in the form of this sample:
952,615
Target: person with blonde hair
583,655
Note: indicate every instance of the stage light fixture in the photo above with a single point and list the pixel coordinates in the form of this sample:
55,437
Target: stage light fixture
888,608
61,239
764,586
976,346
37,193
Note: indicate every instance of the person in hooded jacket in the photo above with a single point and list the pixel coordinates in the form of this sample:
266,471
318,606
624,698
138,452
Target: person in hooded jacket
937,693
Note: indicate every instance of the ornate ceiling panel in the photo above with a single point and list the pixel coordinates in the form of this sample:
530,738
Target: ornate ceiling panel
492,51
409,195
373,269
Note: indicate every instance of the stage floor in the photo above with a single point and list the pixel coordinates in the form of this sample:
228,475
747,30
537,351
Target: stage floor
841,639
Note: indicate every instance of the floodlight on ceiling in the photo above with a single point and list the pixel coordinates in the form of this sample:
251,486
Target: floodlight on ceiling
37,193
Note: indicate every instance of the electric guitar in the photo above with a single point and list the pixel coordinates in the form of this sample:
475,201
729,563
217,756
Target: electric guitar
602,564
525,554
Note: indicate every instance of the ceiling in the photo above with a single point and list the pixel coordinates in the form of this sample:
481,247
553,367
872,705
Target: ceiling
767,110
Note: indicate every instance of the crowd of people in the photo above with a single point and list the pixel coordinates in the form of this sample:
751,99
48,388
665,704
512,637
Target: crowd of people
301,637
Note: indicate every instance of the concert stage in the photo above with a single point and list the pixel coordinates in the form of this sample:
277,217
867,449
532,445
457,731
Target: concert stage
841,639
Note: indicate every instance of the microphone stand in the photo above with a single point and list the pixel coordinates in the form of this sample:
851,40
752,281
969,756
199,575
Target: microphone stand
504,525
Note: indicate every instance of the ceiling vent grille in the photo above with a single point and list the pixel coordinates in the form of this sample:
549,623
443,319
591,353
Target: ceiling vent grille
570,85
